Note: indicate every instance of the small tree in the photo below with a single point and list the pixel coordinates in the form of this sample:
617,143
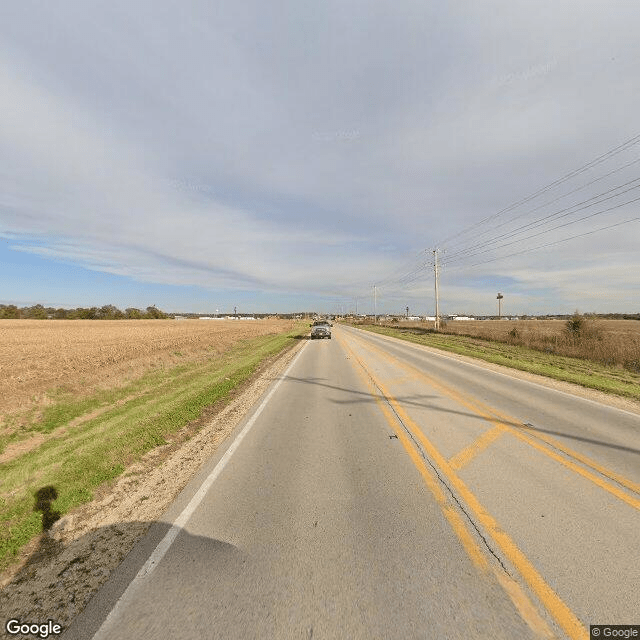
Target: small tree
575,325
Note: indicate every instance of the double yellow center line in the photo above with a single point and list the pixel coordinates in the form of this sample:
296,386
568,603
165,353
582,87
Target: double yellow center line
507,424
560,612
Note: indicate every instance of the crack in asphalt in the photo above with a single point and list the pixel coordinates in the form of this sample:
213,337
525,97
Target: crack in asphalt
435,469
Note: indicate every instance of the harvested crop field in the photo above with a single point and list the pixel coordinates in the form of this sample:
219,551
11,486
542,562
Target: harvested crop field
86,400
41,360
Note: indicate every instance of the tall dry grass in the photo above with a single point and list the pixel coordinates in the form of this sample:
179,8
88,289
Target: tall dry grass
608,342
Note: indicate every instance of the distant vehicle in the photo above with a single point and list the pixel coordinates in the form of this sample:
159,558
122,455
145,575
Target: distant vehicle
321,329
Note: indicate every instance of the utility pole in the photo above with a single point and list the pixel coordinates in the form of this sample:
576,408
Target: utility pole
435,270
375,305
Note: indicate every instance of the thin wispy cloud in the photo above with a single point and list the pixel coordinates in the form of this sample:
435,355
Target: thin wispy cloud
315,150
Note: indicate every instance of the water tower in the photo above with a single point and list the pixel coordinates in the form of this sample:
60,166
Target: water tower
499,299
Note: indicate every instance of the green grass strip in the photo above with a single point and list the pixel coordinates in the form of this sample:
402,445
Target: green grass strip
588,374
99,449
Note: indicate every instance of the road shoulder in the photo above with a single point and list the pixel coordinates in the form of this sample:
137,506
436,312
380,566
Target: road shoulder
59,572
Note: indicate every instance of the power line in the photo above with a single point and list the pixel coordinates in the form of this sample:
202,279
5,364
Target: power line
589,165
560,226
562,213
413,268
549,244
544,204
401,271
405,269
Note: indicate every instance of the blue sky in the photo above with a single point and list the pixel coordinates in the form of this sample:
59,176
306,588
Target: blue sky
289,156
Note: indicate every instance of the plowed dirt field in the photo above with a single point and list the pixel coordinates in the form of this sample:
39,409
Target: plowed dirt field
43,359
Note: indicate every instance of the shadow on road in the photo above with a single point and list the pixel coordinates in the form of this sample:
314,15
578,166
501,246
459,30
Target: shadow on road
413,400
420,401
533,429
60,580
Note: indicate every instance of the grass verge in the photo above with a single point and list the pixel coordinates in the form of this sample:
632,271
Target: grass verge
592,375
132,421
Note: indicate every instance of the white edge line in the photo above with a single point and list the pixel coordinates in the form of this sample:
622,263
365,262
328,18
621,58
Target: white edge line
436,352
163,546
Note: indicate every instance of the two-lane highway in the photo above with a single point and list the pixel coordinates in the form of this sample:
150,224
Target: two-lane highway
383,491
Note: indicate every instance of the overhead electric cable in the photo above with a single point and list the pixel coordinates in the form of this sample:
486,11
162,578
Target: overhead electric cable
548,202
549,244
562,213
589,165
566,224
402,269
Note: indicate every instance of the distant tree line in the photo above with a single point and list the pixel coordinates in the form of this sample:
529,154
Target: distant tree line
106,312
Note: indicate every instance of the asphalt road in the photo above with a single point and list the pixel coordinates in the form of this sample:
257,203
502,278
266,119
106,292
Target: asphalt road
383,491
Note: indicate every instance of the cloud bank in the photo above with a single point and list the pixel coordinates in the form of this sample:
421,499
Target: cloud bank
315,150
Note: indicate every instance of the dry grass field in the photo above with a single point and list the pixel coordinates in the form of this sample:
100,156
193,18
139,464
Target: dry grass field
41,360
608,342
